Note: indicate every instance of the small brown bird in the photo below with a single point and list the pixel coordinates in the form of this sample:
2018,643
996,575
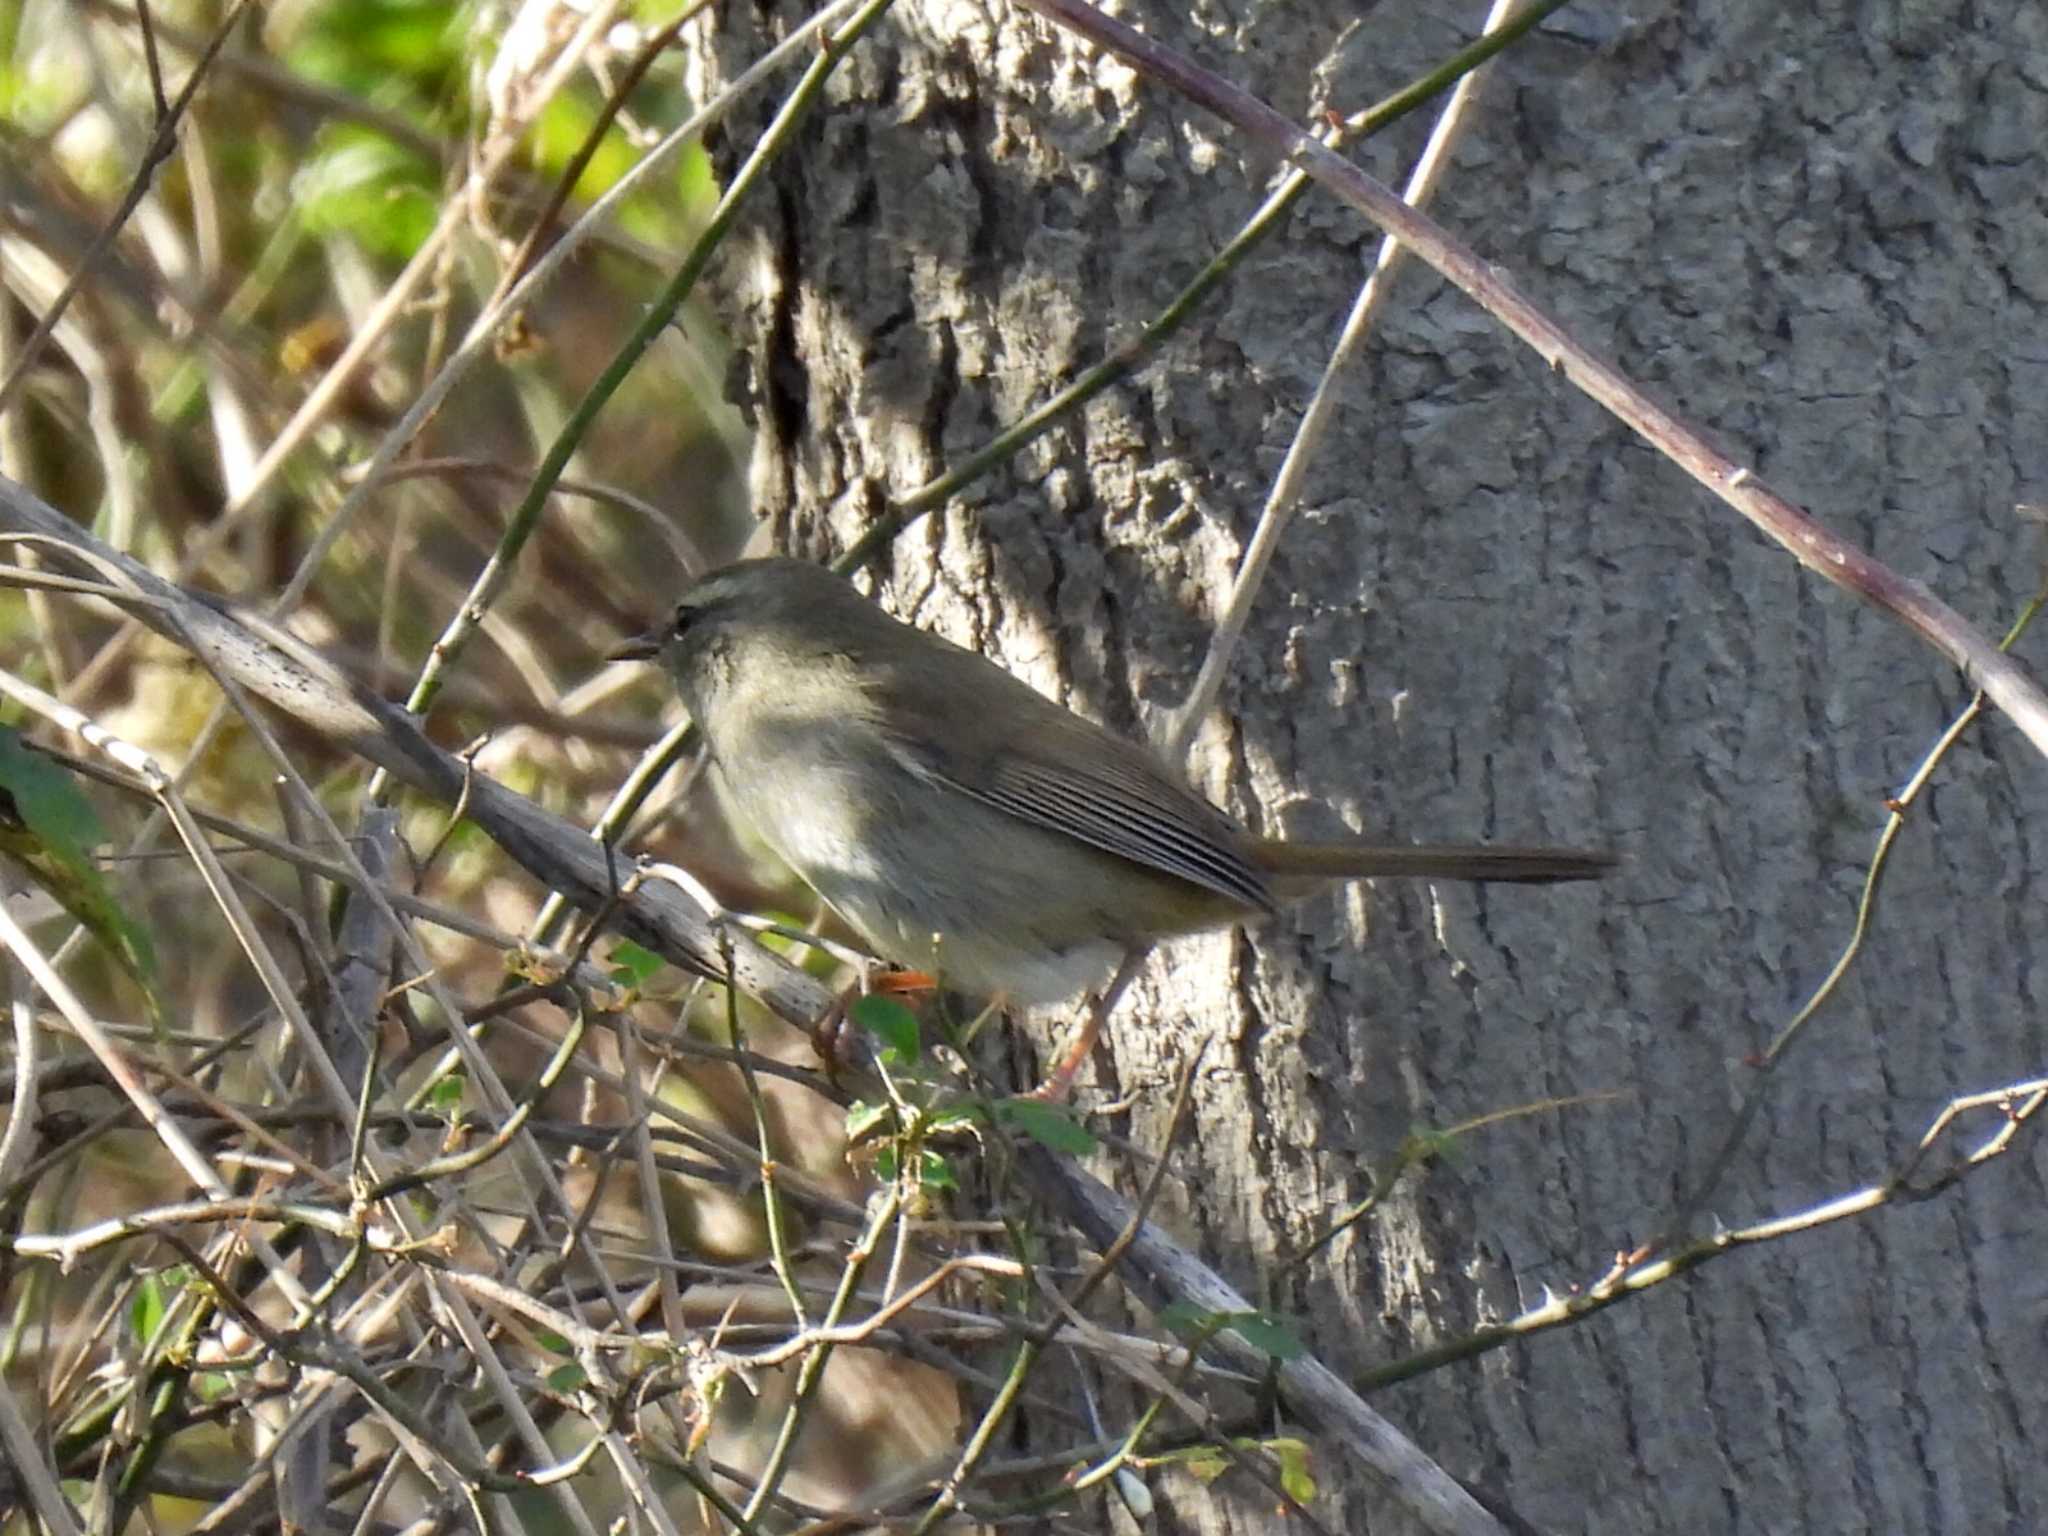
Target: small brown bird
964,823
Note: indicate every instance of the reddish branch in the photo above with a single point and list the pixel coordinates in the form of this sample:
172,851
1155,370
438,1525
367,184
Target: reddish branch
1814,546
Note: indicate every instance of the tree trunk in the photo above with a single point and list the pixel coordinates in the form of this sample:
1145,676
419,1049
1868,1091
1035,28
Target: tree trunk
1817,230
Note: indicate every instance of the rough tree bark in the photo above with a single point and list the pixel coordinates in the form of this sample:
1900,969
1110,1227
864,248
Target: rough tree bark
1820,230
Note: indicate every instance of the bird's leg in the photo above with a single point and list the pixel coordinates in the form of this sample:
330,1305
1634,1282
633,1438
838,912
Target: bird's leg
1059,1083
828,1032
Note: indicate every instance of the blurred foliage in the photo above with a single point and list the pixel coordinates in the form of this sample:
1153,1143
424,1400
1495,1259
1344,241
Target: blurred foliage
327,144
48,832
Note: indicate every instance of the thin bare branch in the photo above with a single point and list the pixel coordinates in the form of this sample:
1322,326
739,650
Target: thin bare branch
275,666
2004,681
1285,495
154,154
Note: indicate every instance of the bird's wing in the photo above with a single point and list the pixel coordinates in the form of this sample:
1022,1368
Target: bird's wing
1057,770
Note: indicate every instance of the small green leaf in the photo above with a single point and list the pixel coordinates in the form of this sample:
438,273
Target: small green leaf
356,183
147,1310
1206,1462
934,1172
48,829
447,1095
553,1343
1209,1462
1294,1474
567,1378
387,45
48,803
1188,1322
1426,1141
862,1117
1050,1125
889,1022
632,965
1267,1331
1262,1330
953,1125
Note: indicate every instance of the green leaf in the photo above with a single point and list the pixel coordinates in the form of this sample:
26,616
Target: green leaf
862,1117
632,965
48,830
889,1022
567,1378
364,186
553,1343
1052,1126
1209,1462
146,1311
1268,1331
1292,1455
934,1172
383,47
154,1297
1188,1322
955,1119
1426,1141
47,802
1262,1330
447,1095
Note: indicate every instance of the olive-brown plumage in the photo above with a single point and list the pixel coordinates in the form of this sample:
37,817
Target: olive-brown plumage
963,822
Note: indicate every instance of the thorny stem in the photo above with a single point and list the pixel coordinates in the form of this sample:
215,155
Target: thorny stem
1816,547
1866,912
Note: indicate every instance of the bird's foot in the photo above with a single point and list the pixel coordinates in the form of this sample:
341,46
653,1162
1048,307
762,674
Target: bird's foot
830,1036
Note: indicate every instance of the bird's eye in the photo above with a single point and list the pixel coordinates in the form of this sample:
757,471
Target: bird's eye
681,621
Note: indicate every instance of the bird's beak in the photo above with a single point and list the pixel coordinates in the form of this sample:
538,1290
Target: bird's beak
639,648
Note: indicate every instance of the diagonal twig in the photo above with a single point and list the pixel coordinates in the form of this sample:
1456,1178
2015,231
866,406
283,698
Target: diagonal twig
1284,498
275,666
1908,602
